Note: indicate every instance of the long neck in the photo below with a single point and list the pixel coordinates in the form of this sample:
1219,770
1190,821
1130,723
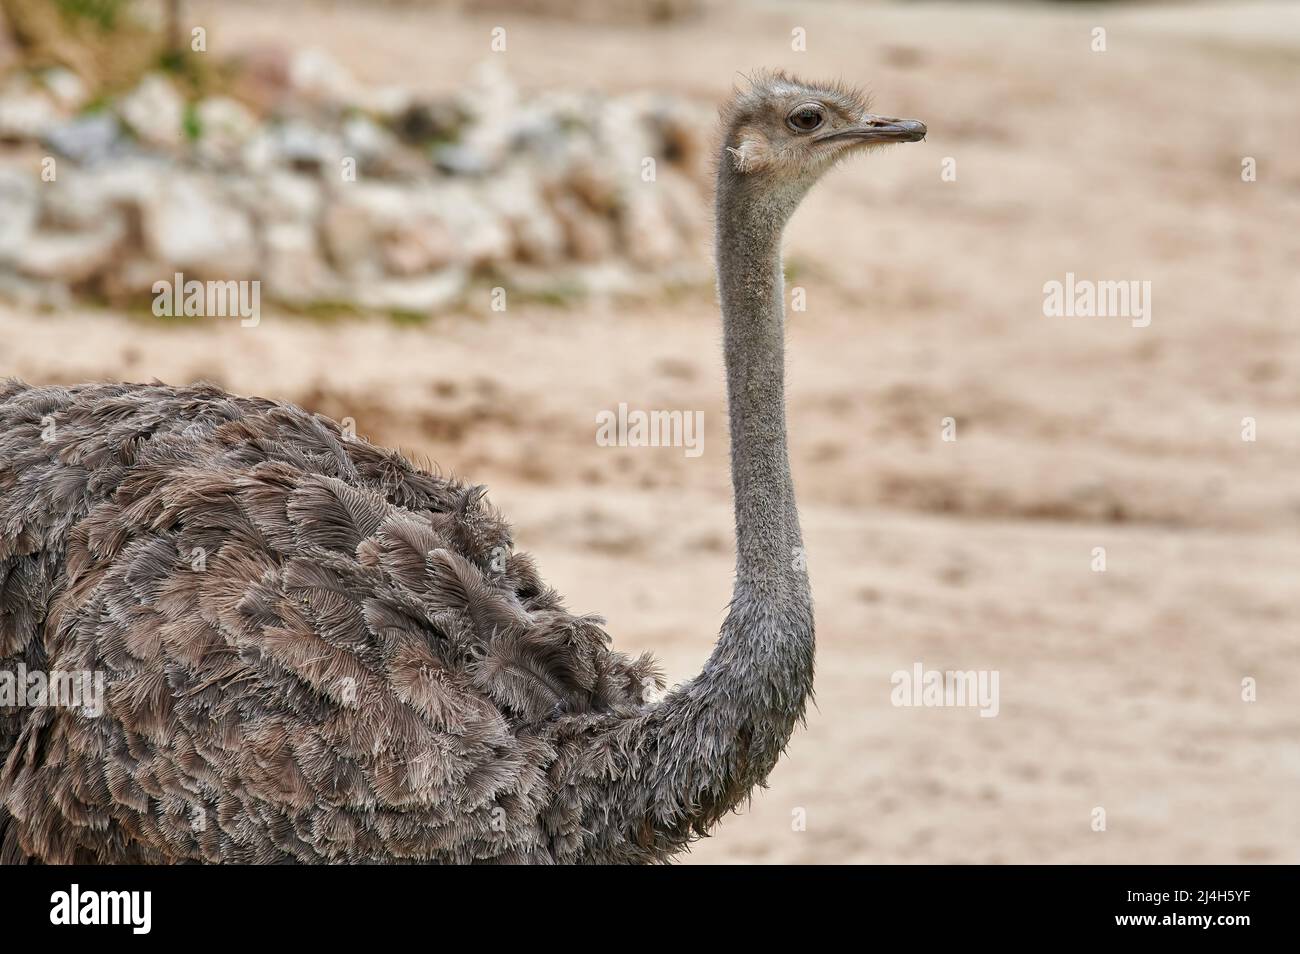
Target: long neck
665,775
751,293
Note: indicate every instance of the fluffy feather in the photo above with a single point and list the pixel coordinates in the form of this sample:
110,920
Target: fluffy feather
304,641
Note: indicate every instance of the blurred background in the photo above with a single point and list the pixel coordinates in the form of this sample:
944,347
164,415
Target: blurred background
478,225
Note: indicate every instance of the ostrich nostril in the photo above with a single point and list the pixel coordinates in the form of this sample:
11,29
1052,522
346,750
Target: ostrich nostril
889,129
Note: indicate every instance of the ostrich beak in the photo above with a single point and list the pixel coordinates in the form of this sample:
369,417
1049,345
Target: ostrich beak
874,129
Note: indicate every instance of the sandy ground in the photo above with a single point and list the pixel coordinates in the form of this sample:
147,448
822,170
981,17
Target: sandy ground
1119,690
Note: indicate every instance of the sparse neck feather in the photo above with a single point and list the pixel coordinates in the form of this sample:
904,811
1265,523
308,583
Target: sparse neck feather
677,767
751,290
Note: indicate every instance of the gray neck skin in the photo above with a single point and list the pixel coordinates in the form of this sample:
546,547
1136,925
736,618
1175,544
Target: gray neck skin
687,761
751,289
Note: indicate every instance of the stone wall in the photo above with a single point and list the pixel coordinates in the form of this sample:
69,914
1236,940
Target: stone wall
332,193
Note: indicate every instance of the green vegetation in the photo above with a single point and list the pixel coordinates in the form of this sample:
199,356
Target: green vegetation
106,14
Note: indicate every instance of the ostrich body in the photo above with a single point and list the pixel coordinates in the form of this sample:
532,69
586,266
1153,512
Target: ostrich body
314,651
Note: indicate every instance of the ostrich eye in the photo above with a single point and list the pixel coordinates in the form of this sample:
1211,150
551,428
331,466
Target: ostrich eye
806,118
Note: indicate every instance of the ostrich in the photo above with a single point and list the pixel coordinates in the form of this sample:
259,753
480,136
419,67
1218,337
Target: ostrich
314,651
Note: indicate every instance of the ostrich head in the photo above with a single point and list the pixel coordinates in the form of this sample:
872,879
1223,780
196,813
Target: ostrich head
781,133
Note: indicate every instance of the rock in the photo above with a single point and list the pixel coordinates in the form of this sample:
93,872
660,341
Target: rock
71,257
319,78
491,102
627,140
81,200
349,241
26,113
66,87
78,235
189,225
133,278
415,295
678,129
591,184
400,164
21,204
680,197
155,112
298,145
386,103
418,247
514,197
458,159
279,195
588,237
89,140
295,271
607,280
286,196
484,238
547,128
352,223
225,128
375,228
30,294
370,145
646,233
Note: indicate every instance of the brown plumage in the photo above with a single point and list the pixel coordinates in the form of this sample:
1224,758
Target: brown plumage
303,636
